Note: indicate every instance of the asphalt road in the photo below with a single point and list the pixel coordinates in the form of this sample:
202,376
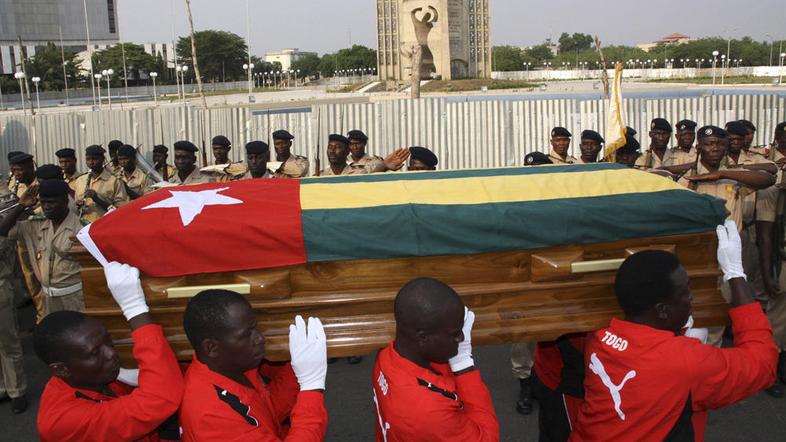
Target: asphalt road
351,410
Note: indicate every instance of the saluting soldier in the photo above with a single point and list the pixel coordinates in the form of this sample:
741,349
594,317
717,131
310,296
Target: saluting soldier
67,160
658,155
185,163
560,143
337,153
292,166
98,191
591,145
137,181
160,155
421,158
357,151
114,164
257,156
221,147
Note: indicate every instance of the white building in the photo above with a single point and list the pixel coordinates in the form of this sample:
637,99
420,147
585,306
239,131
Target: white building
286,57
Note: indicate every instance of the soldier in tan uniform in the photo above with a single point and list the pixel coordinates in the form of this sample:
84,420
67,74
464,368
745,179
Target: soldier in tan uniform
337,153
160,155
591,145
292,166
114,165
98,191
233,170
23,170
761,150
52,172
560,144
421,158
684,152
137,181
629,152
185,163
67,160
357,152
257,156
658,155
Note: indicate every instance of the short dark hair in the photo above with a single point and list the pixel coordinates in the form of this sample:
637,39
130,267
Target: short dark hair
206,315
422,303
644,279
52,332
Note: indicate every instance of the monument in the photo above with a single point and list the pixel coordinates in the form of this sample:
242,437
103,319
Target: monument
453,36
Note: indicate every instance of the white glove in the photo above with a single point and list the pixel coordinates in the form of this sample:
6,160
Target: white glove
463,358
129,376
123,281
308,351
730,251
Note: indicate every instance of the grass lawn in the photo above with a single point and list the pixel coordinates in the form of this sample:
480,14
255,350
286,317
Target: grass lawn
475,85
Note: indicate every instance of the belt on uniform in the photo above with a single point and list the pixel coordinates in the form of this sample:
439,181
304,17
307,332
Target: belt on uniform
62,291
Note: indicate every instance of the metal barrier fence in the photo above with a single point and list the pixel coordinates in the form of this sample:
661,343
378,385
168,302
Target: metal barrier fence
474,134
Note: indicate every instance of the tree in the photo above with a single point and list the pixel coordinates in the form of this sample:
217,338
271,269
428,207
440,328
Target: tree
508,58
576,42
751,52
356,57
48,64
138,62
537,54
221,54
308,65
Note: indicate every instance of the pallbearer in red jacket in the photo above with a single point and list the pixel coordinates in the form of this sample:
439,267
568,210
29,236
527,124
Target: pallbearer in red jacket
426,387
83,401
643,381
230,395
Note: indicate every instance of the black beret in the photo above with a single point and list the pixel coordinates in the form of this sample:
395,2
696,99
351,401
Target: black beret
95,151
338,137
711,131
13,153
20,158
282,135
160,148
186,145
66,153
49,172
736,128
686,125
51,188
781,127
592,135
661,124
220,140
126,150
630,131
114,145
357,135
632,145
537,159
560,132
257,147
748,125
424,155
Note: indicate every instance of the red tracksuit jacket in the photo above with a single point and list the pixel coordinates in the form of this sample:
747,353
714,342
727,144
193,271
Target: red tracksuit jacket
560,367
69,414
416,404
216,408
645,384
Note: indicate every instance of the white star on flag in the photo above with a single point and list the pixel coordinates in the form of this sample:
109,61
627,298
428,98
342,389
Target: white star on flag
190,204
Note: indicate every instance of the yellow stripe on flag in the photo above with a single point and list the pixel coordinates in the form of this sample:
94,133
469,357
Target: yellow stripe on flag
615,126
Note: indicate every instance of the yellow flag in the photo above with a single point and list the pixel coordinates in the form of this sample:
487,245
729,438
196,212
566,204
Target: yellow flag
615,126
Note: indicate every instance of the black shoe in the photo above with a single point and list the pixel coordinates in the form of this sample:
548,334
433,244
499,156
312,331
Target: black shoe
354,360
18,405
524,405
781,373
775,391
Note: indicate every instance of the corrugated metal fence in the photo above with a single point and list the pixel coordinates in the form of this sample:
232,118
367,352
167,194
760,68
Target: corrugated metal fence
471,134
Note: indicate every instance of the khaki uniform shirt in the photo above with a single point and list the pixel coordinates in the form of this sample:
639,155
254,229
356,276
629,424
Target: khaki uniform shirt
49,250
170,171
369,162
679,156
556,159
294,167
759,205
71,181
650,160
348,170
139,181
730,191
108,187
248,176
196,177
232,172
115,170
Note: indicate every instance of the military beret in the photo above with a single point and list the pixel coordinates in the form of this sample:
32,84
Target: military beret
592,135
257,147
126,151
186,145
537,159
630,131
560,132
686,125
160,148
52,188
424,155
114,145
632,145
95,151
338,137
282,135
220,140
748,125
13,153
49,172
357,135
660,124
781,127
66,153
19,157
711,131
736,128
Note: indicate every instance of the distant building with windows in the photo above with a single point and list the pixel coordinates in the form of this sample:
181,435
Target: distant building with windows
286,57
671,39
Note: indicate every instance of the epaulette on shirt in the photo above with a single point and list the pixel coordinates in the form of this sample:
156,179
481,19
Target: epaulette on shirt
36,218
356,166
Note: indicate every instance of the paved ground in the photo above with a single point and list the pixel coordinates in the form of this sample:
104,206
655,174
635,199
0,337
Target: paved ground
349,403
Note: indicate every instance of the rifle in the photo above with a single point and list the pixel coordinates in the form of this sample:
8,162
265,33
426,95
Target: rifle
317,162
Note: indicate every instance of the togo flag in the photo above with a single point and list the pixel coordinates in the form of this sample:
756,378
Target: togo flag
265,223
615,125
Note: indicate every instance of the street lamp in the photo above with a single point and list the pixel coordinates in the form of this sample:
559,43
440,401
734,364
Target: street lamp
153,75
297,73
21,76
108,73
723,68
36,80
181,74
714,60
780,71
98,79
249,69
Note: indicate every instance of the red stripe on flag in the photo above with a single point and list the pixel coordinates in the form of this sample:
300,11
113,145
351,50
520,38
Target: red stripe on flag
250,224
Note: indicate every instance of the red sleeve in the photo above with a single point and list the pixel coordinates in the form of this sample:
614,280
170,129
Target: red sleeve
475,422
135,415
283,388
724,376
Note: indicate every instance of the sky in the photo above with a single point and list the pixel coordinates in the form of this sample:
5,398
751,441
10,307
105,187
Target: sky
327,25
